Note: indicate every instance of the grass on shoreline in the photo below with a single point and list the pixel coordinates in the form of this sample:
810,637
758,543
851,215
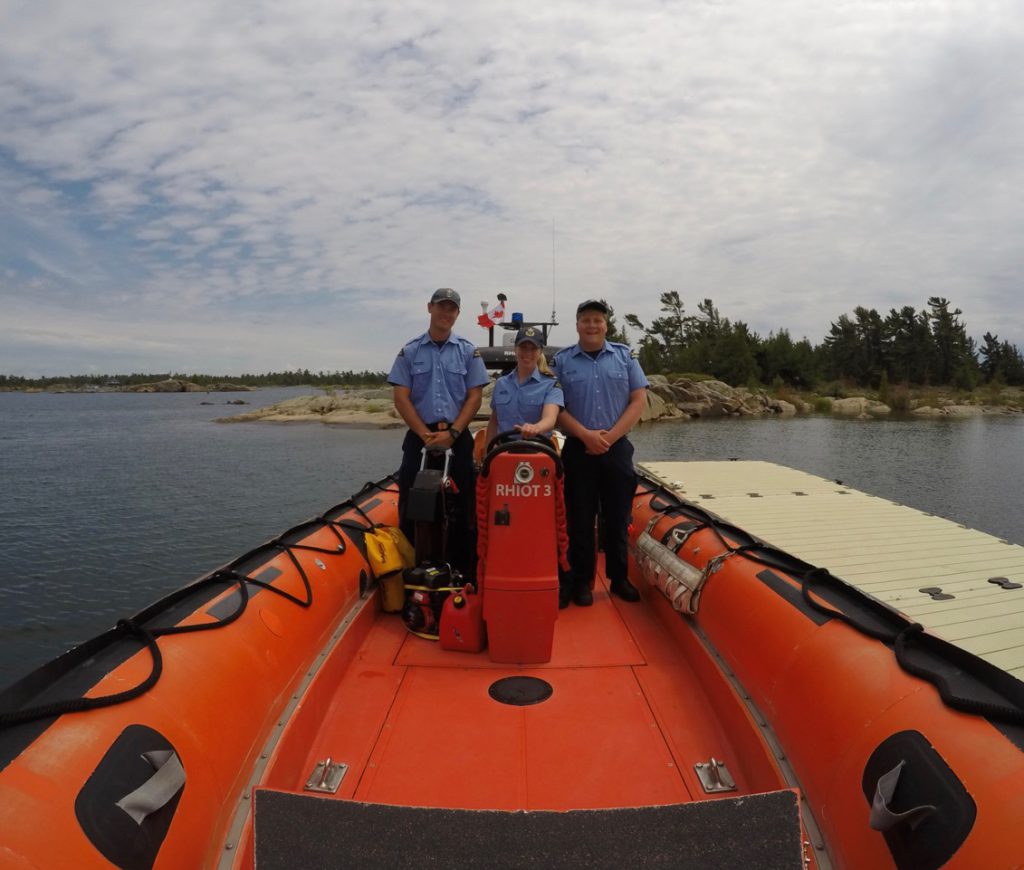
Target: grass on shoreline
903,399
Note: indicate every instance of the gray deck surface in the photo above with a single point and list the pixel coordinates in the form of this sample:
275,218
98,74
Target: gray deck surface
887,550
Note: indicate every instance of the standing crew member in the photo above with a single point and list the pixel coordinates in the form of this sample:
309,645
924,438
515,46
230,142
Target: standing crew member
438,381
605,394
528,398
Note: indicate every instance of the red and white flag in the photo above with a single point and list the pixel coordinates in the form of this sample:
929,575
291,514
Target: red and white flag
495,315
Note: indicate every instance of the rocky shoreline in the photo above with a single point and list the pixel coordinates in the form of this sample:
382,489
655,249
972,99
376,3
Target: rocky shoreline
176,386
702,399
678,399
360,409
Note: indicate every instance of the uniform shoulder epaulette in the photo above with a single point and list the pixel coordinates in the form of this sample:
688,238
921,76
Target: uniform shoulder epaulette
619,347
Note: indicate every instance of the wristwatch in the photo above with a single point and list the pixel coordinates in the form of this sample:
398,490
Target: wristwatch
455,433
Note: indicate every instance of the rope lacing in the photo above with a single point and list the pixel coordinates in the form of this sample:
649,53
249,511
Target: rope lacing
130,629
911,634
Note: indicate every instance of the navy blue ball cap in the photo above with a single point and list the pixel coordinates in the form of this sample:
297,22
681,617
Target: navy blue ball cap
446,294
591,305
528,333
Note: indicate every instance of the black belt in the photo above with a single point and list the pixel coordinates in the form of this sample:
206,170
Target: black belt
574,438
443,426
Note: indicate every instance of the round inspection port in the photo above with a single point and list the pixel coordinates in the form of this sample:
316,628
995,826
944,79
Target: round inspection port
520,691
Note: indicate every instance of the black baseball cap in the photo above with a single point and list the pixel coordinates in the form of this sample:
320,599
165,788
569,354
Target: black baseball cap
591,305
528,333
442,294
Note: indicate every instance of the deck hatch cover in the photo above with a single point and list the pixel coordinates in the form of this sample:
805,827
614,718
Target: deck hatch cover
520,691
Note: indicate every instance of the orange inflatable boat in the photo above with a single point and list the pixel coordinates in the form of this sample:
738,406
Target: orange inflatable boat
750,710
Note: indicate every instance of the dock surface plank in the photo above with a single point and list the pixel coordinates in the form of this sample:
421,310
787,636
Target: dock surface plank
887,550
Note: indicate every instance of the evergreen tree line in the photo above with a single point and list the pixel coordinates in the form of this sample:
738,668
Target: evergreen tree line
297,378
929,347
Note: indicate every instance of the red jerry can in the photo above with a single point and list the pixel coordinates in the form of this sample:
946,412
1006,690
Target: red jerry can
462,621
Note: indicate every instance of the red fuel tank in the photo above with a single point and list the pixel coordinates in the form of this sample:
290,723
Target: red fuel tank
462,622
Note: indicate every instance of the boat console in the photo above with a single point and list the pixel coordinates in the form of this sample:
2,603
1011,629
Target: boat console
517,503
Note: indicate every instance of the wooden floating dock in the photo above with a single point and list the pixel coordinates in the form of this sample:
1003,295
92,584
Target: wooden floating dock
961,584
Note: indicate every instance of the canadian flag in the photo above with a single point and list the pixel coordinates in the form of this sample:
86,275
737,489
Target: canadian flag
495,315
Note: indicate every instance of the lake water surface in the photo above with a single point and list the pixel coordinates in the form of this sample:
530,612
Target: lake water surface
109,501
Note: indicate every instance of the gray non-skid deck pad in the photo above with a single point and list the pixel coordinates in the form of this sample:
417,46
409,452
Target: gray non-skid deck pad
294,830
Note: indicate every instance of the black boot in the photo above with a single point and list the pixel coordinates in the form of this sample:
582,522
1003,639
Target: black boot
582,596
625,590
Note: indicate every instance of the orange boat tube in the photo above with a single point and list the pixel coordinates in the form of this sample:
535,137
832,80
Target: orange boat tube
744,682
909,750
186,695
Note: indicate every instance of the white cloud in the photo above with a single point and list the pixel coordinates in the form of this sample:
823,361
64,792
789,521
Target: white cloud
322,166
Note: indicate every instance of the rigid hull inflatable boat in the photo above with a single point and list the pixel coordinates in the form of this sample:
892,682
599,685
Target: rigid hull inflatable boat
752,708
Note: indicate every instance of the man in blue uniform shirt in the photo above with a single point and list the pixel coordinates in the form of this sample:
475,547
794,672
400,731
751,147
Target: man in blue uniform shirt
605,393
438,381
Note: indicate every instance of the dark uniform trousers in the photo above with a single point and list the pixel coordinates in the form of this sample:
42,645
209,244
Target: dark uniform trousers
462,532
608,481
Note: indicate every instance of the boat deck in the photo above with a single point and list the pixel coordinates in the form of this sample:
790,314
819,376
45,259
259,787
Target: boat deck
623,725
961,584
627,721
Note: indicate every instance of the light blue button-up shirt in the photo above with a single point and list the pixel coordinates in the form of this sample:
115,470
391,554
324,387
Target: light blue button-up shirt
514,403
597,390
438,378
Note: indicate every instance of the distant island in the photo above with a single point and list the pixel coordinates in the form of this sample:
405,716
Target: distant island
189,383
167,385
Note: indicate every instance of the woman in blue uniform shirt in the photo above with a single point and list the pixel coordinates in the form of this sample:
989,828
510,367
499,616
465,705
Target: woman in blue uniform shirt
528,398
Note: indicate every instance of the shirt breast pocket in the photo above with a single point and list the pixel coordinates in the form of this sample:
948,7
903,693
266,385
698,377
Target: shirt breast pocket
420,369
455,378
531,408
618,387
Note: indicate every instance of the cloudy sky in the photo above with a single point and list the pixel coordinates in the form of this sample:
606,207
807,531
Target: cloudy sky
246,186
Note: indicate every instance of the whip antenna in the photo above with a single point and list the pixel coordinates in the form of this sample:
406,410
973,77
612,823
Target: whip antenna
552,270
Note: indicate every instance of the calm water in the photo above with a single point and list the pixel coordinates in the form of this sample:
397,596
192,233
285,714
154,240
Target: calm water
108,501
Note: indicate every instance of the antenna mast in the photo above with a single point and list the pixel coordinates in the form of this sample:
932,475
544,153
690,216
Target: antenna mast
552,270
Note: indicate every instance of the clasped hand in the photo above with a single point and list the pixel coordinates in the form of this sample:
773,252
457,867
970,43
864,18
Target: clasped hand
438,440
596,441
